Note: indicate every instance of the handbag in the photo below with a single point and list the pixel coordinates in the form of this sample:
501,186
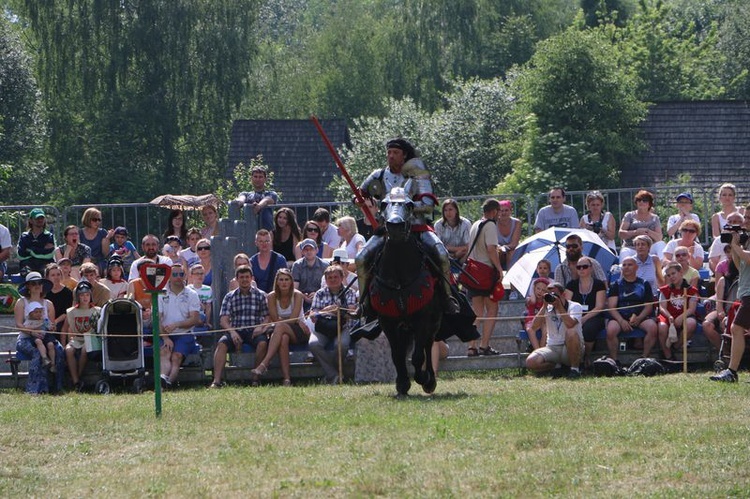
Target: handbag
476,275
327,325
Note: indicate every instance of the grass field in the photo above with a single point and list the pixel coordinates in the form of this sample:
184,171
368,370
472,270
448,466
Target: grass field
480,435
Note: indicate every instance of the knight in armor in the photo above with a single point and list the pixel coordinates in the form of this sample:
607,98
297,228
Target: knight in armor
405,169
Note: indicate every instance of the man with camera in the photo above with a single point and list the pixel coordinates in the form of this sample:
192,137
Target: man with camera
738,238
564,346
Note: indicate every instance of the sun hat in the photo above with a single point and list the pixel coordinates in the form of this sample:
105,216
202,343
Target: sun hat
36,277
341,255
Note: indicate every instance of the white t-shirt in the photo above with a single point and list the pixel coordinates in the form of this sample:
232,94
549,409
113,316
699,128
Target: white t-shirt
675,218
331,236
4,237
547,217
177,307
556,327
672,246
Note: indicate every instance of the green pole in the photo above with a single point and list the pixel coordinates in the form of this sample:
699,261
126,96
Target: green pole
157,350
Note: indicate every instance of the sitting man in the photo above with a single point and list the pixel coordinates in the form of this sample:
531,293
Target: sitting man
672,306
564,343
327,301
566,271
630,304
308,271
179,311
241,310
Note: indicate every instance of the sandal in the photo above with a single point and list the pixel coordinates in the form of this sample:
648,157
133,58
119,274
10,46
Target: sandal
472,352
488,351
260,370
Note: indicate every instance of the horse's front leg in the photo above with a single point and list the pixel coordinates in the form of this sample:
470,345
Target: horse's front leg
424,374
398,356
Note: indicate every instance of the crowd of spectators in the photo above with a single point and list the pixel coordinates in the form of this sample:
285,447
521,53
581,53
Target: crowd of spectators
303,271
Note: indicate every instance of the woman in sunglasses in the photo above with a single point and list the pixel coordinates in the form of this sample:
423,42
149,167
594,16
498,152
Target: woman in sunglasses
203,248
95,237
592,295
689,230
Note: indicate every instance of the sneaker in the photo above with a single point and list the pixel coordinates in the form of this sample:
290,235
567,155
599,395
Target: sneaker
725,375
215,385
574,374
488,351
560,371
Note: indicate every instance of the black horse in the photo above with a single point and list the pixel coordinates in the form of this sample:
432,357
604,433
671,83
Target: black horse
405,297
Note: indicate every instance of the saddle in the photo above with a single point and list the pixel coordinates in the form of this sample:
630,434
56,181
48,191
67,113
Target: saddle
399,301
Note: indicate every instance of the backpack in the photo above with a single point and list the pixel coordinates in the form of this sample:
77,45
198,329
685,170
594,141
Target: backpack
646,367
606,366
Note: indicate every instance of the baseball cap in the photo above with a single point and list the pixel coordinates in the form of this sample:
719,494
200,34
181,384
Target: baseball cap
308,242
685,195
121,231
37,213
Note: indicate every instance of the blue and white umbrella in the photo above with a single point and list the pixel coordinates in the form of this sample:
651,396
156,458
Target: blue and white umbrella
550,245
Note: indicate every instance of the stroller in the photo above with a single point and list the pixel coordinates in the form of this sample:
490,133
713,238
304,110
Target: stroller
121,330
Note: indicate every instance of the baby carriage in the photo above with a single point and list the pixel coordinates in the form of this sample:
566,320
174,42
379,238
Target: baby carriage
121,331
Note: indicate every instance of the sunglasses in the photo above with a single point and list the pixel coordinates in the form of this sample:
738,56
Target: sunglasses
201,248
689,230
581,267
680,254
96,219
572,246
312,229
178,274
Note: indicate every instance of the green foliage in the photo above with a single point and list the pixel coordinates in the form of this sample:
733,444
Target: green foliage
669,56
21,123
458,144
574,123
139,94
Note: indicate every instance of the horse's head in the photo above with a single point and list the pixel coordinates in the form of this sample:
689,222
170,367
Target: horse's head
396,208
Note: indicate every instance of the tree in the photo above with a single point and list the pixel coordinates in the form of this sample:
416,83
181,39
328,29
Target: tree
458,144
575,120
139,94
21,124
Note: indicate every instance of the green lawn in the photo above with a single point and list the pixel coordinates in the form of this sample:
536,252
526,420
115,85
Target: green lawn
479,435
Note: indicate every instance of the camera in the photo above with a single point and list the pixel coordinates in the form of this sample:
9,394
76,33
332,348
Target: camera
726,236
596,227
550,297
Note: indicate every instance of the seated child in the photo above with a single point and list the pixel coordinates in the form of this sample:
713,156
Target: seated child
123,248
672,305
533,305
46,345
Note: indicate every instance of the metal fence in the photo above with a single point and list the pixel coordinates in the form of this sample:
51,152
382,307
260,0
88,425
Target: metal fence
145,218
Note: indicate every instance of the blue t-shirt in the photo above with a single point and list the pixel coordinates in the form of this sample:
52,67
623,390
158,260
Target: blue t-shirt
631,295
264,277
266,214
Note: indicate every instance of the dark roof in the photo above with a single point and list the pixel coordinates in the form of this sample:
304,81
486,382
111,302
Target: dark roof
710,140
294,151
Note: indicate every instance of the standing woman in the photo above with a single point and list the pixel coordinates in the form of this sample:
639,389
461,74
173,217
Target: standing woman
641,222
61,296
727,198
599,221
204,257
508,233
176,227
285,309
591,293
33,291
74,250
211,219
95,237
286,233
453,230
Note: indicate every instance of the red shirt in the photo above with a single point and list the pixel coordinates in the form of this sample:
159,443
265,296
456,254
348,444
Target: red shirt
674,298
